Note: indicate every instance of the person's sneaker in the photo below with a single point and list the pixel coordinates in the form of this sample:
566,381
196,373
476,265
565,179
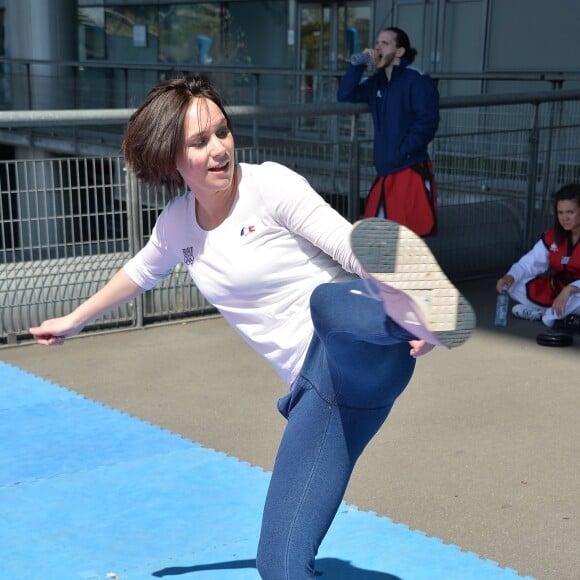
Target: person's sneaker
571,323
526,312
415,292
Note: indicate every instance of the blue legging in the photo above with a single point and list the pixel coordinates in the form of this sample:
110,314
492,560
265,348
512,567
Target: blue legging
358,363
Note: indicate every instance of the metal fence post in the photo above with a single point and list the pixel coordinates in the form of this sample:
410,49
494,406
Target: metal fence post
533,141
554,128
354,170
135,233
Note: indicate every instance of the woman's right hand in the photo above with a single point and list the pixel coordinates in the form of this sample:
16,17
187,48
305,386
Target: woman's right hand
52,332
117,291
504,282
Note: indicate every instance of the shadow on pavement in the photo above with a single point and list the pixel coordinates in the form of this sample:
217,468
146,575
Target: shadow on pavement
330,568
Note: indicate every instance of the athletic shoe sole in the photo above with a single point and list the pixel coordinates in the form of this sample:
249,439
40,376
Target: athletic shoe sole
415,292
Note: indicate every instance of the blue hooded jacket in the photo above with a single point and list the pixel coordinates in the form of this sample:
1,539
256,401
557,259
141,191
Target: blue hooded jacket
405,112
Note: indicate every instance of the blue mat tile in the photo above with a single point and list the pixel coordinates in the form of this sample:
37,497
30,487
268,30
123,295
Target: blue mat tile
87,492
378,544
20,388
148,511
64,436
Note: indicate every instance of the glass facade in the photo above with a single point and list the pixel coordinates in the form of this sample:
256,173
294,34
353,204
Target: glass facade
92,34
203,37
328,34
257,51
254,36
187,33
253,33
260,51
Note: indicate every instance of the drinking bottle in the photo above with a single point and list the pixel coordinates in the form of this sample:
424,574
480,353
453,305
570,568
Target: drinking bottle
359,58
501,308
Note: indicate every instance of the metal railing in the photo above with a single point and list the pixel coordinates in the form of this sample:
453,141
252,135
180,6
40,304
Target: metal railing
67,224
92,84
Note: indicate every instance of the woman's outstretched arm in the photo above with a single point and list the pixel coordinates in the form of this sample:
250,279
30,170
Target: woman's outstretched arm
118,290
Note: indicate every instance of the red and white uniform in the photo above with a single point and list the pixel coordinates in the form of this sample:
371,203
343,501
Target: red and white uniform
541,274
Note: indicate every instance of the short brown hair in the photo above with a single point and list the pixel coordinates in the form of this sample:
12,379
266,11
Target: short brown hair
155,133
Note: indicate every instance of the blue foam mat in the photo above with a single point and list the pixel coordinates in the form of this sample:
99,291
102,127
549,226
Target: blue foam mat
87,492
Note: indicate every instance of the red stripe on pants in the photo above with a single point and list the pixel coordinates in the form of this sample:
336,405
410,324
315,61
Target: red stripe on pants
406,198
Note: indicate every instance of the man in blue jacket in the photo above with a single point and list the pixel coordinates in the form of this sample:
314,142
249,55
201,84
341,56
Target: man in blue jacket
404,103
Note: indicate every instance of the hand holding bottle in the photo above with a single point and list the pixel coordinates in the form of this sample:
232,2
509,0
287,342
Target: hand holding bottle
505,282
366,57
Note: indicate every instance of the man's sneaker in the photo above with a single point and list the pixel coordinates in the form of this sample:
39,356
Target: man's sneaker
415,292
527,312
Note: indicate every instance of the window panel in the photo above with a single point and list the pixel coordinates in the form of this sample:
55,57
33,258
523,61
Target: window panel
92,33
189,33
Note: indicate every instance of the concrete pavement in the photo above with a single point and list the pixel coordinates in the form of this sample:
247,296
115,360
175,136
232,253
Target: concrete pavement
481,450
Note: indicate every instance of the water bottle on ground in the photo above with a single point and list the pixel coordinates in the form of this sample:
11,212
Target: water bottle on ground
359,58
501,308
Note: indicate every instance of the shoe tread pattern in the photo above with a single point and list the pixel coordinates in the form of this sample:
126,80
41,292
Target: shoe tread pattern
396,256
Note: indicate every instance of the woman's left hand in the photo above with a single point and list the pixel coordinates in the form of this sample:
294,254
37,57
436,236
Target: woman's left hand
419,348
559,303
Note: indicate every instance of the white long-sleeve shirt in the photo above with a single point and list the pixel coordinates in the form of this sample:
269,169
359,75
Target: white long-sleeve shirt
260,266
533,263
